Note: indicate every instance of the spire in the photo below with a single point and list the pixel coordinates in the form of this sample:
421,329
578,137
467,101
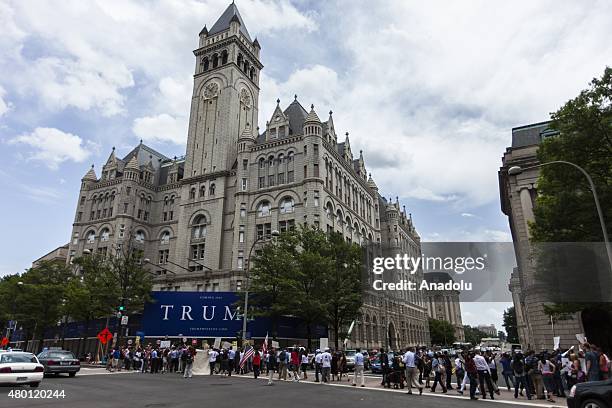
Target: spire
256,43
371,182
312,116
90,175
112,158
204,31
247,132
230,14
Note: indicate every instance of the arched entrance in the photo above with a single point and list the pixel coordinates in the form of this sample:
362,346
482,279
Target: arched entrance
597,323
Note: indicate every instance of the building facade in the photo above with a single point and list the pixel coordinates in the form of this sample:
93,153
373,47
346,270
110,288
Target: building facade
517,197
196,217
444,304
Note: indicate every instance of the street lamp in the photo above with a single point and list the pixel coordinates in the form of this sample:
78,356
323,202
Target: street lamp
516,170
262,238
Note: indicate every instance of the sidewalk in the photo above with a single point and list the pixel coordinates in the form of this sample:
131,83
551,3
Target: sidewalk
372,383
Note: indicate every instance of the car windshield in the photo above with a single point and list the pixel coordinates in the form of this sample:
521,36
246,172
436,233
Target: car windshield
61,354
350,353
17,358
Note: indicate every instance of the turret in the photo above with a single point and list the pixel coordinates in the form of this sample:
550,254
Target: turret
203,34
89,178
132,169
312,124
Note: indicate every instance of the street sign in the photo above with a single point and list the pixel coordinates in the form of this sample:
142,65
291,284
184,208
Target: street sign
105,335
164,343
124,320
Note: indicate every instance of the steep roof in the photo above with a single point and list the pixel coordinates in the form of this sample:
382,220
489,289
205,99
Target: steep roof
297,115
223,23
312,116
133,163
90,175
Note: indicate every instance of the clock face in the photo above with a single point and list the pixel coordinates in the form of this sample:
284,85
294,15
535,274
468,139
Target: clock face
277,118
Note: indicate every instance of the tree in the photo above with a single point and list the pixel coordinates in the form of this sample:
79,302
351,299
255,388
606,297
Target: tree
343,292
442,332
510,325
310,275
473,335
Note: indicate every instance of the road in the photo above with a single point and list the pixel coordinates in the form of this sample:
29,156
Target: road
97,388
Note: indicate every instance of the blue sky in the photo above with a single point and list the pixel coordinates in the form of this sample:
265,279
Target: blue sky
429,90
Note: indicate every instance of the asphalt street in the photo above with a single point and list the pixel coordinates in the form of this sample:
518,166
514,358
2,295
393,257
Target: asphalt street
170,390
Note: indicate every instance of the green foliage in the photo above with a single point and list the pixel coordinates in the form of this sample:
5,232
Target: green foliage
510,325
311,275
473,335
565,209
442,332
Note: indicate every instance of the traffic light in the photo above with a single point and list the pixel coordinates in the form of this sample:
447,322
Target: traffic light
121,308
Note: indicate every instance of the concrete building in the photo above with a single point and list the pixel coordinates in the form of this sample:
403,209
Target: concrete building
59,254
489,329
196,217
517,196
444,304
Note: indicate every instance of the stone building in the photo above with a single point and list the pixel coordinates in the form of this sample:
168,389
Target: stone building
196,217
444,304
517,196
59,254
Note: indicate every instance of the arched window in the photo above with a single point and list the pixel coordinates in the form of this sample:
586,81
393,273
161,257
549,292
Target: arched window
224,57
286,205
198,228
165,238
263,209
339,217
205,64
192,193
262,163
140,236
215,60
239,61
329,210
91,237
202,191
211,189
252,73
104,235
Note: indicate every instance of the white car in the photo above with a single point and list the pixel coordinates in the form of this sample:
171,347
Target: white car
18,367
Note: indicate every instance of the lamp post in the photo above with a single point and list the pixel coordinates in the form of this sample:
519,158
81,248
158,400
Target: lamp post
262,238
516,170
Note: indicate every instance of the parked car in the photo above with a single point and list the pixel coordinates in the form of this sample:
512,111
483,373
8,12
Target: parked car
375,365
593,394
18,367
350,359
59,361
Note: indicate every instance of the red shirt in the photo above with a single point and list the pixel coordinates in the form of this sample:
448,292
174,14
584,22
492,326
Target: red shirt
295,359
256,359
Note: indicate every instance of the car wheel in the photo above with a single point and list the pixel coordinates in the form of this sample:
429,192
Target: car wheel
34,385
71,374
591,403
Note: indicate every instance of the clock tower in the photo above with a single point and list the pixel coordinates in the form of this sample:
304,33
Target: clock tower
225,94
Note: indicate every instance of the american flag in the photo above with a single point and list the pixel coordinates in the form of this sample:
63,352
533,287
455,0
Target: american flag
264,348
247,354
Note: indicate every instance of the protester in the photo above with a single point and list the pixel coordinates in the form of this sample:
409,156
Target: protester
359,364
409,360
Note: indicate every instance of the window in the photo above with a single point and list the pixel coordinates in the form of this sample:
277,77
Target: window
262,163
192,193
240,260
198,228
316,170
139,214
91,237
316,199
146,215
128,190
242,210
165,238
211,189
263,209
202,191
125,208
262,182
286,205
197,251
305,171
238,285
263,230
290,176
305,150
163,256
315,149
121,230
245,164
75,238
215,287
280,178
104,235
288,225
244,184
241,234
165,216
271,180
82,200
140,236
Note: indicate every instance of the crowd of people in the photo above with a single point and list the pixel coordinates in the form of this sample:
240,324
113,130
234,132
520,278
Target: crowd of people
541,375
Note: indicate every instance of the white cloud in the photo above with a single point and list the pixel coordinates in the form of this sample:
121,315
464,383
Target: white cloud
52,146
4,105
467,215
161,128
